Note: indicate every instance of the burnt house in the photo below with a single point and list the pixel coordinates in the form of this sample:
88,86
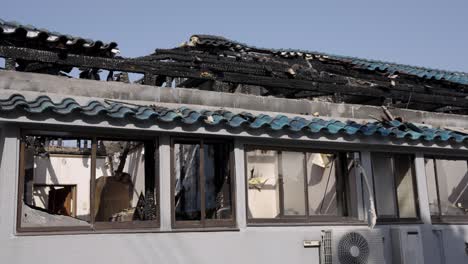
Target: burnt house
218,151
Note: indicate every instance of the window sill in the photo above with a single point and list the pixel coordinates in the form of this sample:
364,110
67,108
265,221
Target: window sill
462,220
400,222
203,229
310,223
24,233
44,232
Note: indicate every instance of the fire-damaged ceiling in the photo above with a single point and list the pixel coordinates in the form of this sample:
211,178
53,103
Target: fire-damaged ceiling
216,63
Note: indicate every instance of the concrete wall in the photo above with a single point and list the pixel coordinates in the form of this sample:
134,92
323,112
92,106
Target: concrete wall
22,82
246,244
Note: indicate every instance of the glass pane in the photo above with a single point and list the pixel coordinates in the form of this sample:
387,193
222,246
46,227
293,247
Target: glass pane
321,183
218,203
351,175
431,186
384,185
124,189
56,181
263,187
187,181
292,171
453,186
405,186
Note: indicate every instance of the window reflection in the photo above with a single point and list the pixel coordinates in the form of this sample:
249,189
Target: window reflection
292,184
217,181
203,184
187,180
394,186
447,181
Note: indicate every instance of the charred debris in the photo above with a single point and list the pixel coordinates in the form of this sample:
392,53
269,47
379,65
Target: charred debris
215,63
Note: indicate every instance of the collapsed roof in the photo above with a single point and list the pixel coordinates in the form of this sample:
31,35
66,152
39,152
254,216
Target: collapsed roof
216,63
18,35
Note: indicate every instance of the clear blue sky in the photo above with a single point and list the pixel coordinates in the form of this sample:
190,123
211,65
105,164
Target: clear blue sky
426,33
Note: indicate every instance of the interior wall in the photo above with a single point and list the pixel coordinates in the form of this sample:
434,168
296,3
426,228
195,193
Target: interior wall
263,199
61,170
76,170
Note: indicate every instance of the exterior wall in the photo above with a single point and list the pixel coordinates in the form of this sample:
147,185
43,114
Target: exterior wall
53,86
247,244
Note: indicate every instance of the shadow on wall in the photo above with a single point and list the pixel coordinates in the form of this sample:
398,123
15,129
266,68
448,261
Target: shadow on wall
450,244
454,238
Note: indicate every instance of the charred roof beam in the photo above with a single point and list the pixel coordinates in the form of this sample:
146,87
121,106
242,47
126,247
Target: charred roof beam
326,83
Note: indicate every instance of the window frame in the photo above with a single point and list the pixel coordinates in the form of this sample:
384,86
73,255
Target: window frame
307,219
444,219
397,219
93,227
203,223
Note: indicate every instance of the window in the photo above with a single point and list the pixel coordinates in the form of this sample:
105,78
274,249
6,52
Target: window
202,183
447,186
87,183
394,186
298,186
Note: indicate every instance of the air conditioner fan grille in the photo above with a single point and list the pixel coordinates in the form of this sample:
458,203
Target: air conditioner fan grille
353,249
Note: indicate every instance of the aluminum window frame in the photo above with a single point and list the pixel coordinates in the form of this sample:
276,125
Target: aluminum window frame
93,227
307,219
203,223
444,219
398,219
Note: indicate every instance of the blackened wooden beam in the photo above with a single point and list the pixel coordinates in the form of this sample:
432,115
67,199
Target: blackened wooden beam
278,66
325,83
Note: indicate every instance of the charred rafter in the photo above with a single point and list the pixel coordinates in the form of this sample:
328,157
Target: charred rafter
295,76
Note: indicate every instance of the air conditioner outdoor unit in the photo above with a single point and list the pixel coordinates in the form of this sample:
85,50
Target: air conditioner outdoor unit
352,247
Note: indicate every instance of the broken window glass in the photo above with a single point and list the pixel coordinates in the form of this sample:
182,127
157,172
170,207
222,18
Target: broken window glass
80,182
447,183
57,174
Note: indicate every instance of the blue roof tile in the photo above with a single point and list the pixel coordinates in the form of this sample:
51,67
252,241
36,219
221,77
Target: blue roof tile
184,115
372,65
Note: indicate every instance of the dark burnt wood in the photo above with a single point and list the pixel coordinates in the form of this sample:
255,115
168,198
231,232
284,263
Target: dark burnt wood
227,66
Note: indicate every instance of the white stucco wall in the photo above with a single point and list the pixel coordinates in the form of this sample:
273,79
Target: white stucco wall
248,244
